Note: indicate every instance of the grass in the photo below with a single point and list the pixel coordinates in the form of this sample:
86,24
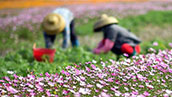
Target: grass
134,23
16,47
154,18
22,62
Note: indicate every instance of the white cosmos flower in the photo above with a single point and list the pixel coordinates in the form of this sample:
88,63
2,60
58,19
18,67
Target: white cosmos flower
51,84
126,88
5,96
117,93
82,83
94,61
20,77
99,85
10,72
40,83
150,86
84,91
168,92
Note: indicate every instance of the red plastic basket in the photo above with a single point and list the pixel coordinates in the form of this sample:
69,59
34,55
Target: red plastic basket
42,54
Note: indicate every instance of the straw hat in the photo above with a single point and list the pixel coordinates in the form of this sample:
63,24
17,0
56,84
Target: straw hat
53,24
103,21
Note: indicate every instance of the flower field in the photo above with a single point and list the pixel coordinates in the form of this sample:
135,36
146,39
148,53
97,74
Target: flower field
77,72
11,19
141,76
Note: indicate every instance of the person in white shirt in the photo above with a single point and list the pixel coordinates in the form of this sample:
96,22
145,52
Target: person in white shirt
60,20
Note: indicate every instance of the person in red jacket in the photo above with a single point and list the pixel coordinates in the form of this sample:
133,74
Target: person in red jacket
116,38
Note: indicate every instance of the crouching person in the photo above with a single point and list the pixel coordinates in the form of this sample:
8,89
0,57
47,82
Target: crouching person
61,20
116,38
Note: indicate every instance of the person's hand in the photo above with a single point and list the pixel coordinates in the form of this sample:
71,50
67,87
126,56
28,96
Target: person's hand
96,51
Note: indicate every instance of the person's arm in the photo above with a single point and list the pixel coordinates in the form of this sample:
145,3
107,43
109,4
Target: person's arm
101,43
104,46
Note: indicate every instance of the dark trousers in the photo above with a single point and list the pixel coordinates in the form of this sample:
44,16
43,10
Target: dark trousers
49,39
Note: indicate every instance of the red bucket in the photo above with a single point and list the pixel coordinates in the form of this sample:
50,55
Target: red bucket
42,54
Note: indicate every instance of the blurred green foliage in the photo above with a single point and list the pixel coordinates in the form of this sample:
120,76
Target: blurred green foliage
153,18
134,23
20,60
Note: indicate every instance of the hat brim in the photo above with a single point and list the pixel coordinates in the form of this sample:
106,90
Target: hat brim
100,29
55,28
104,22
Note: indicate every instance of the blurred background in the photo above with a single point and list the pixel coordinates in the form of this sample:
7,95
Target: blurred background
35,3
20,19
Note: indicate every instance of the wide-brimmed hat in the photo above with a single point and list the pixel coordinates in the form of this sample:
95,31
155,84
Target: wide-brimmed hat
53,24
103,21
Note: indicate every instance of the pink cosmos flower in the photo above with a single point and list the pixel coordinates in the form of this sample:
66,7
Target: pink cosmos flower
149,86
170,44
63,72
65,92
141,95
2,81
82,78
93,66
114,74
103,94
48,93
31,77
32,94
126,94
141,86
76,65
155,44
68,67
166,95
110,80
100,76
140,77
7,78
41,74
125,54
113,89
96,90
146,93
89,85
39,88
66,73
47,74
77,94
40,79
135,92
87,69
12,90
51,83
117,81
170,70
77,72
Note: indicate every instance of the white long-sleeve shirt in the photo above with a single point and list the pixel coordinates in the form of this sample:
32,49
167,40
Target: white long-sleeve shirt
68,17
